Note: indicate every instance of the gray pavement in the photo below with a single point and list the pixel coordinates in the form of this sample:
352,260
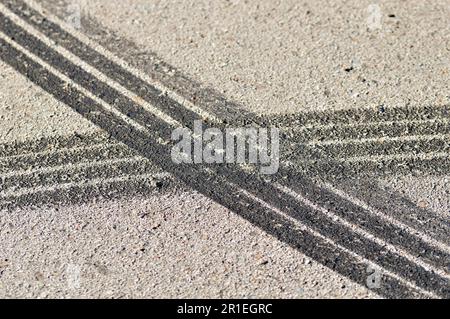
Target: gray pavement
92,206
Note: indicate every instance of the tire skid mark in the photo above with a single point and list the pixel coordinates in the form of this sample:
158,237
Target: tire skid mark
147,145
365,131
16,165
384,164
397,207
352,119
71,193
123,131
101,90
49,144
381,148
141,88
79,172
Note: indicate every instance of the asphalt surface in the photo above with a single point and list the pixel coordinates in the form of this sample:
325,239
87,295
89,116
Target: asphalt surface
88,182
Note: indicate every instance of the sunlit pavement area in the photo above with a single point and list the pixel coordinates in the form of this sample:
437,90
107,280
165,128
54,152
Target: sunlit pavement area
92,205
